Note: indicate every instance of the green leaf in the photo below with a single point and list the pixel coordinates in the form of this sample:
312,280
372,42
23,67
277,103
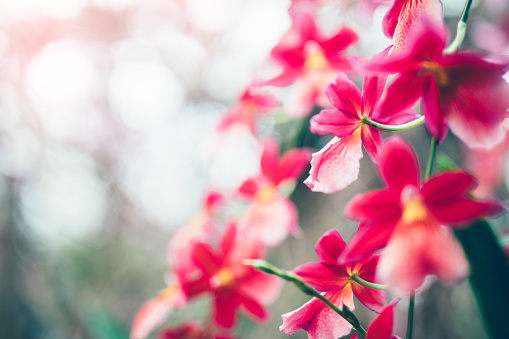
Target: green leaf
489,276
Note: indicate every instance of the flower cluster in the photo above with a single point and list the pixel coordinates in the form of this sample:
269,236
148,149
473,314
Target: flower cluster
405,229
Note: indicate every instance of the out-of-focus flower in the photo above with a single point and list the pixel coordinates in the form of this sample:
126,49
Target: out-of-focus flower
462,90
403,13
337,164
191,330
334,280
249,106
271,216
381,327
156,311
488,166
309,60
234,285
407,217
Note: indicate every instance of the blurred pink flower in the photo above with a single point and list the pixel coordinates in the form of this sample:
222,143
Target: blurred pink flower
271,216
333,279
310,60
234,285
407,217
249,106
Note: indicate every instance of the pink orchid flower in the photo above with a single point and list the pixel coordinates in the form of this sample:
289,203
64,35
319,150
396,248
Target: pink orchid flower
403,13
234,285
271,216
381,327
181,266
250,105
337,165
462,90
407,217
309,60
334,280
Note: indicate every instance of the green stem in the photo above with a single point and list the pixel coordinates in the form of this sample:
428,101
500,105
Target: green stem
408,125
346,313
431,159
461,30
410,324
368,284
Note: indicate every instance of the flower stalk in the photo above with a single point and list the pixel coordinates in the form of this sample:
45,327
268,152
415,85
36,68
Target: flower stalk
368,284
291,277
393,128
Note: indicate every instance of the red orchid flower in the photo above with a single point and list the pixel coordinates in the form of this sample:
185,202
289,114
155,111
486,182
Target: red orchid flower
462,90
250,105
271,216
407,217
310,60
234,285
337,164
399,18
381,327
334,280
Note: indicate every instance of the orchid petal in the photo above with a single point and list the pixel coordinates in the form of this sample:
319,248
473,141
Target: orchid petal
398,165
336,122
330,246
375,205
433,113
336,165
323,277
366,241
344,94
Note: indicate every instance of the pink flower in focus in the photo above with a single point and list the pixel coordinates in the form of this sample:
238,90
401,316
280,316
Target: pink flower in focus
271,216
234,285
309,60
381,327
462,90
337,164
333,279
249,106
403,13
407,217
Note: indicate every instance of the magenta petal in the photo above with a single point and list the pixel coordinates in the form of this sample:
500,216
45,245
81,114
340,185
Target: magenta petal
375,205
330,246
254,308
336,165
447,185
270,159
203,256
398,165
285,78
225,305
323,277
401,95
427,36
381,327
344,94
340,41
291,165
367,240
262,287
402,117
373,85
318,320
464,210
391,18
434,116
371,298
371,140
339,123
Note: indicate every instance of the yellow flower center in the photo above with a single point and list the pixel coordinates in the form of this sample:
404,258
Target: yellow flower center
316,61
438,72
266,193
223,278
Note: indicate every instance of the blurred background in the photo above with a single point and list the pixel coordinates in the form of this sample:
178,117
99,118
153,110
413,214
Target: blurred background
108,144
